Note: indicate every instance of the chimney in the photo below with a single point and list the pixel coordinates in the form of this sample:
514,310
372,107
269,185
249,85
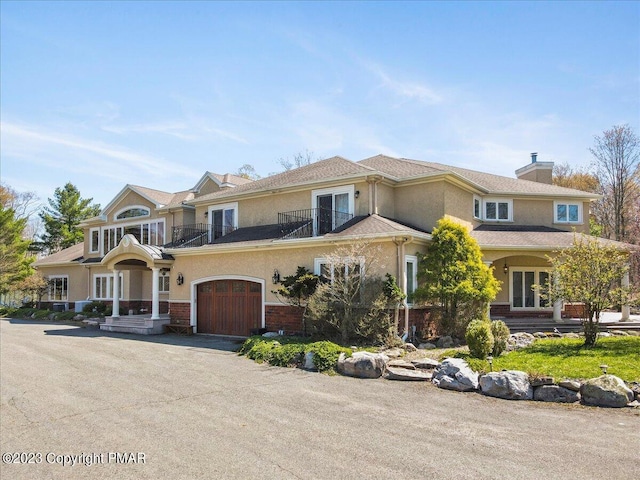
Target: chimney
536,171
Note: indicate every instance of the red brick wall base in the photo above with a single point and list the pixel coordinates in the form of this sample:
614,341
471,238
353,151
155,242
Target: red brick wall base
180,313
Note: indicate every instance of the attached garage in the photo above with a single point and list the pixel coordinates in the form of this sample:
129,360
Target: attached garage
229,307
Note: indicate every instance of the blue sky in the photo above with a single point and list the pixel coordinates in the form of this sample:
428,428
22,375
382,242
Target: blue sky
108,93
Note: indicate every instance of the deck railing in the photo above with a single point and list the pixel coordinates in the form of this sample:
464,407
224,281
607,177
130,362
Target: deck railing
311,222
196,235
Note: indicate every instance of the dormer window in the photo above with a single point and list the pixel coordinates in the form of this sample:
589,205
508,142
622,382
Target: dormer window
133,212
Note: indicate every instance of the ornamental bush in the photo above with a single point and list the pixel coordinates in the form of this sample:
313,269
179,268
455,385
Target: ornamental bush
500,333
479,338
325,354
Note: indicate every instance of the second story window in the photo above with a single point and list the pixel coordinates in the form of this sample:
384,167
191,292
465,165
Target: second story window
477,207
498,210
223,219
132,212
150,232
568,212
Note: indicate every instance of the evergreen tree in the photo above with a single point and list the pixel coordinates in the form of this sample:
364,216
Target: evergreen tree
62,217
454,278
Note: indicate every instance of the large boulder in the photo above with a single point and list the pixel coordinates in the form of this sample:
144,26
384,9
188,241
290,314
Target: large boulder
455,374
425,363
395,373
445,342
519,340
362,364
508,384
555,393
606,391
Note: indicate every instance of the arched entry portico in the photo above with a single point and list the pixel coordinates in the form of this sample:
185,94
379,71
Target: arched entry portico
131,255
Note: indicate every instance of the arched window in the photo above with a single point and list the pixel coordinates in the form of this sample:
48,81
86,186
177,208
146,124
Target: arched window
133,212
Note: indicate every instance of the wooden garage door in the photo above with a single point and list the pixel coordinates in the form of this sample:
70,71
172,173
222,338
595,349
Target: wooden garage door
229,307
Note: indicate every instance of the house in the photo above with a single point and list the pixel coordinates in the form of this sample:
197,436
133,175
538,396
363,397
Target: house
209,257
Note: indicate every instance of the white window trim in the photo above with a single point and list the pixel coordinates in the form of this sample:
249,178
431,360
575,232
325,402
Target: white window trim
130,207
91,250
414,260
537,271
161,283
55,277
476,198
225,206
143,221
318,262
555,212
508,201
109,277
348,189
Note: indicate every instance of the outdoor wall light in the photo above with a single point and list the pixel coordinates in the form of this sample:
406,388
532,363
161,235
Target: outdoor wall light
276,277
180,279
505,269
357,194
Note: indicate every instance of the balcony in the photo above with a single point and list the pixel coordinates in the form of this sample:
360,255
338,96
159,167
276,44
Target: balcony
196,235
311,222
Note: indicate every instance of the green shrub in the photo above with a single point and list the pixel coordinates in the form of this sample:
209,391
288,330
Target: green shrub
95,307
500,333
6,311
289,355
249,344
479,338
262,351
325,354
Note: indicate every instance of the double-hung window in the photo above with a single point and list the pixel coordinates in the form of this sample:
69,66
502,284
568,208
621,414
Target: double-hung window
164,282
58,288
223,219
568,212
339,270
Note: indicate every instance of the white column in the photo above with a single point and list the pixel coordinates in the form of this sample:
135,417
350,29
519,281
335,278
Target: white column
557,306
625,308
488,264
116,294
155,295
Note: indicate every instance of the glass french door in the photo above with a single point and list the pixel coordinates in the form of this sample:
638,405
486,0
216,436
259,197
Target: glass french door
523,293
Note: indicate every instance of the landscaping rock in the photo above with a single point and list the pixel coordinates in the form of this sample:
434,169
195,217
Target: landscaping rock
270,334
394,352
363,364
519,340
308,362
606,391
427,346
79,317
409,347
508,384
635,388
571,335
394,373
455,374
555,393
540,335
619,333
425,363
570,385
399,363
445,342
634,333
604,334
539,381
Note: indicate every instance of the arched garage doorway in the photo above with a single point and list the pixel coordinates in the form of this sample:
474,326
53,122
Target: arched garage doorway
229,307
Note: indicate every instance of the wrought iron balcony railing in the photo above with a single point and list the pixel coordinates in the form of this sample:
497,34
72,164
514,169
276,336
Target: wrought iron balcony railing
311,222
196,235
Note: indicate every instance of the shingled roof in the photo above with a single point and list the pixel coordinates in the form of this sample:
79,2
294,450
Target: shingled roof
403,168
68,255
329,169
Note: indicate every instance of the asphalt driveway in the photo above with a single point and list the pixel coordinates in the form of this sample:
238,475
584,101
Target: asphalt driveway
129,406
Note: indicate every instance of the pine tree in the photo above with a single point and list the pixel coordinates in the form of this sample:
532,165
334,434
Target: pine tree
61,219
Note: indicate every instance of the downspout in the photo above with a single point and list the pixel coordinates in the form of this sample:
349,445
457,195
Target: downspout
402,276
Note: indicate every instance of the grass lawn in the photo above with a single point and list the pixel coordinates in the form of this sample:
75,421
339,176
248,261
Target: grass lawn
567,358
